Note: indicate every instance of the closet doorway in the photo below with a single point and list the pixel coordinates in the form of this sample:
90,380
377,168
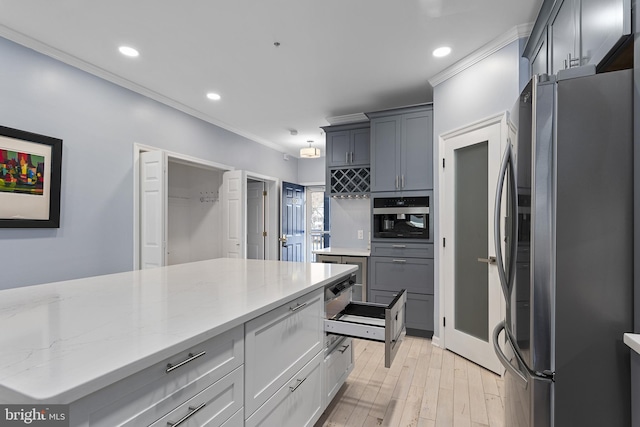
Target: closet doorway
188,209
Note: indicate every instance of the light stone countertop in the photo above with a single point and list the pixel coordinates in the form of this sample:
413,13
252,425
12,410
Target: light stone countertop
633,341
343,251
62,341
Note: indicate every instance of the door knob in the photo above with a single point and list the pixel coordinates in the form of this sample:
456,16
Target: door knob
490,260
283,239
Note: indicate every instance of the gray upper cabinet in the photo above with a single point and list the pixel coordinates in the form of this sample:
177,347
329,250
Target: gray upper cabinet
402,149
573,33
540,61
565,37
348,145
603,24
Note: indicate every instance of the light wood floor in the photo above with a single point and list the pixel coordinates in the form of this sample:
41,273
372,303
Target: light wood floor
425,386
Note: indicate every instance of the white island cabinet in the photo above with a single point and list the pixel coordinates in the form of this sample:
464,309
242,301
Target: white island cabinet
190,345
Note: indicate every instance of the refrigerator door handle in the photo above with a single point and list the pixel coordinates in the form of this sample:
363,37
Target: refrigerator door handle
506,166
503,358
496,224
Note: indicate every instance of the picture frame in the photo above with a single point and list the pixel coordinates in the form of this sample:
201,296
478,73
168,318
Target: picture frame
30,179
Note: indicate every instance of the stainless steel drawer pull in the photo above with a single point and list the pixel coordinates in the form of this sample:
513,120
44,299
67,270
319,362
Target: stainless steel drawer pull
186,417
298,307
343,348
401,261
398,246
190,356
294,388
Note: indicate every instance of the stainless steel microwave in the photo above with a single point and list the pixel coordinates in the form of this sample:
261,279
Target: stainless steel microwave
401,217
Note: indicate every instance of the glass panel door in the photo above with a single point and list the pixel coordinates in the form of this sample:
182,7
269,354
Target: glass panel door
471,235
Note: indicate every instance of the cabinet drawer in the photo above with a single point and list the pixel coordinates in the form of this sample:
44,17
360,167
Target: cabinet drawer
279,343
236,420
419,309
296,404
370,321
392,274
338,364
211,407
407,250
153,392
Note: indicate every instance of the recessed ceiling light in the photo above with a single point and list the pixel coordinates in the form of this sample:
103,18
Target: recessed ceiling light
128,51
442,51
213,96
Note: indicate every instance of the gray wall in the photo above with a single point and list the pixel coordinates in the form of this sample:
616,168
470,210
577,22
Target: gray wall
347,217
489,87
99,122
311,171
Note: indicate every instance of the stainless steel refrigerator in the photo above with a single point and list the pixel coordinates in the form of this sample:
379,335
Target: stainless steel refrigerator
566,250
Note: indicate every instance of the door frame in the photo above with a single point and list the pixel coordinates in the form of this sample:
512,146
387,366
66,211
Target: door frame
271,208
307,213
445,217
272,214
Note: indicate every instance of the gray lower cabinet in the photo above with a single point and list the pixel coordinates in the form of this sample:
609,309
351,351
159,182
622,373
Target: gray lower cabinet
410,266
419,309
402,149
397,273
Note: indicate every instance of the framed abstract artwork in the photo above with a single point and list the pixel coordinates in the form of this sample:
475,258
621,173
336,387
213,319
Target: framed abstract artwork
30,175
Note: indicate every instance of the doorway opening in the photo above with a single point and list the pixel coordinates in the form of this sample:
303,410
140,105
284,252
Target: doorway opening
185,210
470,298
318,221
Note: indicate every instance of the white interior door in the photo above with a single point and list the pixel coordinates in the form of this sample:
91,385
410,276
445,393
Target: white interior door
153,204
256,226
473,300
234,214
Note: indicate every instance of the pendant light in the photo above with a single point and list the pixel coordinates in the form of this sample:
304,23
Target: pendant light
310,152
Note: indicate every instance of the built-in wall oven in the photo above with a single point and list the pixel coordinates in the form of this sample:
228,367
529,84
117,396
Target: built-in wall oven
401,217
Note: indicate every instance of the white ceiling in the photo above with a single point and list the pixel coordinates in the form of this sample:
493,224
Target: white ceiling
336,57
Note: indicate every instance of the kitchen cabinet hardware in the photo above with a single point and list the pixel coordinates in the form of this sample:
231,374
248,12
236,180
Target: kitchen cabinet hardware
191,357
294,388
298,307
186,417
399,246
400,261
343,348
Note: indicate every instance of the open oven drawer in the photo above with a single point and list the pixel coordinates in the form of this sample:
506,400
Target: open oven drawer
370,321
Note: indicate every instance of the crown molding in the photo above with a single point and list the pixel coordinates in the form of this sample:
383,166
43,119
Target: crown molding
484,52
75,62
347,118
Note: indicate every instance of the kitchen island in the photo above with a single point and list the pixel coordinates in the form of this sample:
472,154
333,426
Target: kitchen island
106,345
